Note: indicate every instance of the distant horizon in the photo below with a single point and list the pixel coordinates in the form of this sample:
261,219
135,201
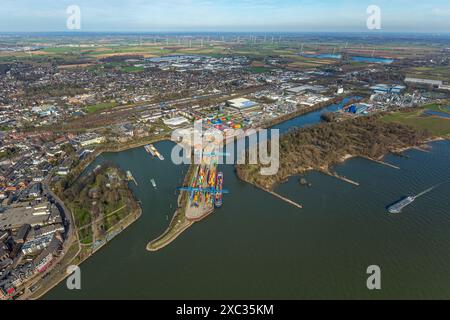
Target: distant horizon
193,32
397,16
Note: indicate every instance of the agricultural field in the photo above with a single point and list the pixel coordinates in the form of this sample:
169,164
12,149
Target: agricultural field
132,69
100,107
437,72
437,125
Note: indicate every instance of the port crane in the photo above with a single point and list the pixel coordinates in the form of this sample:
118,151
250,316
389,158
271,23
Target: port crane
213,154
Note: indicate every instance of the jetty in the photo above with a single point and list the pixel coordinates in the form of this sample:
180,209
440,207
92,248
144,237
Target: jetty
421,149
295,204
383,163
345,179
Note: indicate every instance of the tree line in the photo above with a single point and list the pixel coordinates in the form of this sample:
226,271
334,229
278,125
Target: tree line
321,146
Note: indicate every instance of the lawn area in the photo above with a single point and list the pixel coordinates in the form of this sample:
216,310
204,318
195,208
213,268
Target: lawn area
82,216
86,236
439,108
437,72
257,70
436,125
100,106
132,69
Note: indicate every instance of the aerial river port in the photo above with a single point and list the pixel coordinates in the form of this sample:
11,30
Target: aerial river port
195,203
235,257
90,131
199,205
187,214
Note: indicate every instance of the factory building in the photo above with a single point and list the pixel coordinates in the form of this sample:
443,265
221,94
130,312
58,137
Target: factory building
386,88
176,122
242,105
305,89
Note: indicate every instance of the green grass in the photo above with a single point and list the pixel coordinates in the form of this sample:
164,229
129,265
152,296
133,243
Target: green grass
132,69
258,70
100,106
436,72
439,108
8,153
82,216
86,236
437,126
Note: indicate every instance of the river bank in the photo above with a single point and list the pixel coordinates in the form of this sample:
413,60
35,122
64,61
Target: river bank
306,110
328,144
76,257
77,252
180,223
319,252
172,233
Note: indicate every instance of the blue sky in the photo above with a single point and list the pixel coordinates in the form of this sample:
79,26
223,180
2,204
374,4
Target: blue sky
225,15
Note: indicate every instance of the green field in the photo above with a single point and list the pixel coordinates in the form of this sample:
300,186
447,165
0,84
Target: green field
259,69
64,50
132,69
82,216
86,236
437,72
417,119
439,108
100,106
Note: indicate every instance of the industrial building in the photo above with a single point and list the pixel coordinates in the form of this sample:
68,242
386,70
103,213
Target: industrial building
387,88
306,88
242,105
360,108
176,122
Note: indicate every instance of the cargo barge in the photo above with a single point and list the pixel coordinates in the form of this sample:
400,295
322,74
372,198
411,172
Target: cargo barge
399,206
219,188
150,148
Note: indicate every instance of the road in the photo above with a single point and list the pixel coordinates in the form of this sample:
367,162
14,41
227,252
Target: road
57,267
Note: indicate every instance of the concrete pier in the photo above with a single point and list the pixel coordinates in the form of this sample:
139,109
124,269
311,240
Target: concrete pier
295,204
383,163
335,175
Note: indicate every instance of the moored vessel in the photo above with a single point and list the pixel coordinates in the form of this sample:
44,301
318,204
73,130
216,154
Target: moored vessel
399,206
219,188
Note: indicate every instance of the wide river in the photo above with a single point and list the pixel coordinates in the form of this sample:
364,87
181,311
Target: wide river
258,247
